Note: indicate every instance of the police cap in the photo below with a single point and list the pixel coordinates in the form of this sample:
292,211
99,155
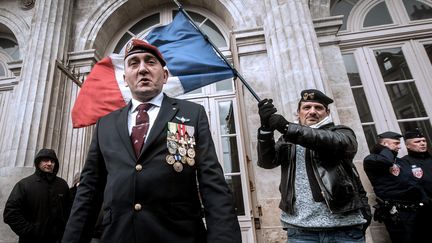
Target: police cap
390,134
413,134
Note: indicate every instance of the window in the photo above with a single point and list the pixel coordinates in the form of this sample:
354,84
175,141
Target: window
359,15
362,104
9,47
9,50
402,90
389,71
342,7
417,10
378,15
136,30
386,80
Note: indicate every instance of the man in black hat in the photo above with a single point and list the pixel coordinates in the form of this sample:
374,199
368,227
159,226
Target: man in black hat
320,188
38,207
398,194
420,162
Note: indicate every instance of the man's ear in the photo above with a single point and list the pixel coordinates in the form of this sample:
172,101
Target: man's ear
166,74
126,83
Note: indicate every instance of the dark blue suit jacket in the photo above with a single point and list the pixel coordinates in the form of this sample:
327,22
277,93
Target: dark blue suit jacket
171,209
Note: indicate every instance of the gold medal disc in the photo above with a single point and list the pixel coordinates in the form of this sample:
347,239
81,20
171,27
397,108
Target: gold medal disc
191,153
178,166
170,159
190,161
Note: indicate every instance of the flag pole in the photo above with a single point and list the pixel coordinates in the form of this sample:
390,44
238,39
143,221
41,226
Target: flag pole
236,73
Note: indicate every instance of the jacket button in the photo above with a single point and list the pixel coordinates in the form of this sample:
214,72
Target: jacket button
137,207
138,167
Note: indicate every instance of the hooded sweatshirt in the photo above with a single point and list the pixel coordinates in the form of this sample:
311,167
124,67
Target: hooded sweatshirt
39,205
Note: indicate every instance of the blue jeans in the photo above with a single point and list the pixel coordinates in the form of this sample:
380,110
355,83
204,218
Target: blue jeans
336,235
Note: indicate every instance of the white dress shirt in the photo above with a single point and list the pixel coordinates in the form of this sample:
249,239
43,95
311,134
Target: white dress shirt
152,112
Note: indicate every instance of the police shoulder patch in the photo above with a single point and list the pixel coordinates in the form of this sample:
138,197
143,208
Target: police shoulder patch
395,170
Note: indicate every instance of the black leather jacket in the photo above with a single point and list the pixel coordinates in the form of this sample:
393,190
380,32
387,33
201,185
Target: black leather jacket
330,150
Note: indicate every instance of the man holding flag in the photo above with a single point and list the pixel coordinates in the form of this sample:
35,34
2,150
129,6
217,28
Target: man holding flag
155,162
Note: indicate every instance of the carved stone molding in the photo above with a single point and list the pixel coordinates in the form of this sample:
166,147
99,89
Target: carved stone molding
15,67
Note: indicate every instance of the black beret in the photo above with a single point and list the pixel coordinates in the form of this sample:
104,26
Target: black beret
389,134
314,95
140,46
413,134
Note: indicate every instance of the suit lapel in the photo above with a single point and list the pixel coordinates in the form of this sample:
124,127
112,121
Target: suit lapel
122,129
167,111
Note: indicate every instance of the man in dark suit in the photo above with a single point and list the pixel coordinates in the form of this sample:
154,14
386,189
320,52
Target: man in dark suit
153,190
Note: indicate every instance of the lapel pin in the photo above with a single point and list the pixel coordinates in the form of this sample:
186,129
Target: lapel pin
182,119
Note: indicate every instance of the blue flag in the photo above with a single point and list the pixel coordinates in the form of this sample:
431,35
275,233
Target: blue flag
191,60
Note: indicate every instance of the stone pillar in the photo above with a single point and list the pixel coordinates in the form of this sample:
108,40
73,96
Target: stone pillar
295,63
293,50
36,102
37,94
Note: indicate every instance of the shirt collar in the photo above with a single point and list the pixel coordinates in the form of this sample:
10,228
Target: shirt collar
156,101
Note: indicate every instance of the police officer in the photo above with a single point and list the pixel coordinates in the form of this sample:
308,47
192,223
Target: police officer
420,162
397,191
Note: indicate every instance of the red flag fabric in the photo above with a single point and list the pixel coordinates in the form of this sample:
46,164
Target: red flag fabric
99,95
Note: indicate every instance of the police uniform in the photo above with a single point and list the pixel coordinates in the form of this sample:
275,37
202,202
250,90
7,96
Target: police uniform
421,168
398,193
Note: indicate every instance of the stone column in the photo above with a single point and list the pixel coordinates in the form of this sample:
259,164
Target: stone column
295,63
293,50
36,98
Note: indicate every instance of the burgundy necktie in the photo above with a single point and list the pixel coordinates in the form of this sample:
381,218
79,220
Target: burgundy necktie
139,131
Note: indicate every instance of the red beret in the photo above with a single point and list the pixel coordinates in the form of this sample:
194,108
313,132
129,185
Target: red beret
140,46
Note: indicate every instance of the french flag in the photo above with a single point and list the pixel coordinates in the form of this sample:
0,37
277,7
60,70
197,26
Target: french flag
191,61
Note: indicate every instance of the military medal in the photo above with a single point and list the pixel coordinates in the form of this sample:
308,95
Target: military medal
178,167
190,161
172,146
180,145
182,151
172,128
191,153
191,142
170,159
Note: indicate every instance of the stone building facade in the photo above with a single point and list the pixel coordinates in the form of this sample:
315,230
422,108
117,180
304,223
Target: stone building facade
372,56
